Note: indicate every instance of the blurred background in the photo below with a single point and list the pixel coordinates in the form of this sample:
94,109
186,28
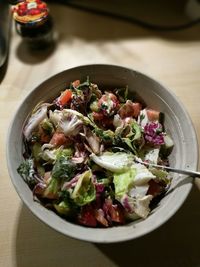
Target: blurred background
153,13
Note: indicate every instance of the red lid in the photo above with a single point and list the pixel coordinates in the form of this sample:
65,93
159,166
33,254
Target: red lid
30,11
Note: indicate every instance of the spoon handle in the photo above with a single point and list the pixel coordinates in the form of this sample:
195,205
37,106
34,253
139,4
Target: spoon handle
170,169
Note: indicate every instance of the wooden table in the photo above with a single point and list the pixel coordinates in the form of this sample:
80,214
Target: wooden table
173,59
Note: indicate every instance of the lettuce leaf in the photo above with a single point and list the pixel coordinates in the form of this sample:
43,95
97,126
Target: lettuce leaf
52,189
63,208
114,162
131,187
123,182
84,191
137,207
143,175
136,176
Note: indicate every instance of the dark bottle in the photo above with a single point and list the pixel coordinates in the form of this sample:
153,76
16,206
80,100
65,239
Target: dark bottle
34,23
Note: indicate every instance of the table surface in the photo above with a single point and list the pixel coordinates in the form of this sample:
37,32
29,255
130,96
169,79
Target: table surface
82,38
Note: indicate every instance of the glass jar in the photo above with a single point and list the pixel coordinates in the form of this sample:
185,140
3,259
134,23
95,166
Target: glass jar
34,23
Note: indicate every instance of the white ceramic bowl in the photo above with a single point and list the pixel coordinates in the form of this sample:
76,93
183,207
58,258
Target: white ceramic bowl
177,123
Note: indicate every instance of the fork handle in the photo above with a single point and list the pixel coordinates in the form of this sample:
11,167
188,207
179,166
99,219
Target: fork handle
170,169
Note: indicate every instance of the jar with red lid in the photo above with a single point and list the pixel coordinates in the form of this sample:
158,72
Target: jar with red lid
34,23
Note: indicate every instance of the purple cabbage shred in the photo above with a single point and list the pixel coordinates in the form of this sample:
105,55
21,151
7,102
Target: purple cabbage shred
153,133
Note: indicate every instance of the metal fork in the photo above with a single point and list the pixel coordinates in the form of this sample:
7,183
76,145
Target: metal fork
170,169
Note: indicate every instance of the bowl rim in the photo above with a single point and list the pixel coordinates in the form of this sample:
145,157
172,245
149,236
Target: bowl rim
91,236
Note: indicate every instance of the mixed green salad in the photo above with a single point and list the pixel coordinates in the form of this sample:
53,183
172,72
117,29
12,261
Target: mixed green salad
81,154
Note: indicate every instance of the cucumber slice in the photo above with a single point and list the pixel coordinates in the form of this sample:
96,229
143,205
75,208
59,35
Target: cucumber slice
166,149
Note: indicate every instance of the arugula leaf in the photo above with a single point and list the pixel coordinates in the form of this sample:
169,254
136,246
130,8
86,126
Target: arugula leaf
122,94
84,84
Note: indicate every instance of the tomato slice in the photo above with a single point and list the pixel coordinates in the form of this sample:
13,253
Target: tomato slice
86,217
76,83
58,139
136,108
130,109
153,115
155,188
65,97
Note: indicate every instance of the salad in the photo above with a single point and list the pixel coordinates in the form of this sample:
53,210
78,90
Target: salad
81,154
